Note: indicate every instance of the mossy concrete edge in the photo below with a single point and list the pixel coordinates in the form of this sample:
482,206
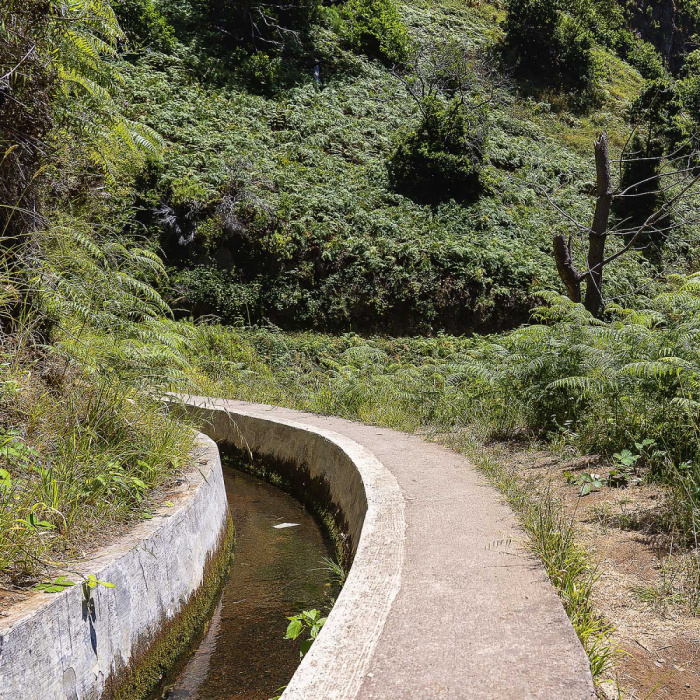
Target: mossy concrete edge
157,656
166,570
359,488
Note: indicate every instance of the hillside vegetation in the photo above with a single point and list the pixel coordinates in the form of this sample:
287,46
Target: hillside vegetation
445,216
282,207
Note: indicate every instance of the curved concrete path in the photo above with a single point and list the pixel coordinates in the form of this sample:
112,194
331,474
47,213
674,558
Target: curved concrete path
462,609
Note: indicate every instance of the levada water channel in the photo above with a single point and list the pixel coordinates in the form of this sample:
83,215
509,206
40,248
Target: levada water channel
277,571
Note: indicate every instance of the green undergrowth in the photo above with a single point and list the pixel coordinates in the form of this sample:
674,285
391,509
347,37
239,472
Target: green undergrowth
278,204
79,459
623,385
385,400
598,386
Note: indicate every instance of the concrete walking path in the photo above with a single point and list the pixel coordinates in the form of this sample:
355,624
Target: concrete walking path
473,614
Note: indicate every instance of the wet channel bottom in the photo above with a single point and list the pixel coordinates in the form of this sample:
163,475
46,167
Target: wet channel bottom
275,572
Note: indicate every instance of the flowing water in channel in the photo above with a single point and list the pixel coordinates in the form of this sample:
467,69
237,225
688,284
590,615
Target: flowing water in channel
275,572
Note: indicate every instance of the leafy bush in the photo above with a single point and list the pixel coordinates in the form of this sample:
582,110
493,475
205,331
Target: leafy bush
689,85
144,24
443,156
375,28
639,179
549,44
260,72
221,26
646,59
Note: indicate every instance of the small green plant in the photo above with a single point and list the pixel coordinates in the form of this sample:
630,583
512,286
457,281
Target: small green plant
58,585
32,522
14,450
307,622
336,571
114,482
89,586
587,481
626,459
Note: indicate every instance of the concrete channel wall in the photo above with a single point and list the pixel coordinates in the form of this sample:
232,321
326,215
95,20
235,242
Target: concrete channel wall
62,647
443,600
370,500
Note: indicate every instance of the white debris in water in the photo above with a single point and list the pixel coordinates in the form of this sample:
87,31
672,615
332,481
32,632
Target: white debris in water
282,525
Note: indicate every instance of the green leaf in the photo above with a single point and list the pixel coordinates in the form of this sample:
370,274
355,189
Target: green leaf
56,586
304,647
293,629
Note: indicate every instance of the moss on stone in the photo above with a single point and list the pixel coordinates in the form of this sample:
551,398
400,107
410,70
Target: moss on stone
158,655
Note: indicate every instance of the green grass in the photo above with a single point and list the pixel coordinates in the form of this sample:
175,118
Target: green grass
85,441
81,457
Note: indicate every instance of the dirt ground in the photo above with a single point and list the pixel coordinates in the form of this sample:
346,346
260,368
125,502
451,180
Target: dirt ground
643,587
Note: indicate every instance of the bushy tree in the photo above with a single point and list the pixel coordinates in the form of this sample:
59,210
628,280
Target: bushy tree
547,43
666,121
375,28
674,198
442,157
223,25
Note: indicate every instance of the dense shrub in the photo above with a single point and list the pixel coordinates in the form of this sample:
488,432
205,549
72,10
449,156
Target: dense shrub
144,24
646,59
219,26
639,180
689,85
443,156
375,28
547,44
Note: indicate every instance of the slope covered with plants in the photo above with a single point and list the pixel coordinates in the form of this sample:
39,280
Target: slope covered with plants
322,205
84,348
466,218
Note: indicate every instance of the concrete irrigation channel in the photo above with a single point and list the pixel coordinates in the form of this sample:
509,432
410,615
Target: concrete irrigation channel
442,599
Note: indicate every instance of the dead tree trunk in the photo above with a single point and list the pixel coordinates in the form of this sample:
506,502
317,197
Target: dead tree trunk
570,276
597,235
677,209
599,227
